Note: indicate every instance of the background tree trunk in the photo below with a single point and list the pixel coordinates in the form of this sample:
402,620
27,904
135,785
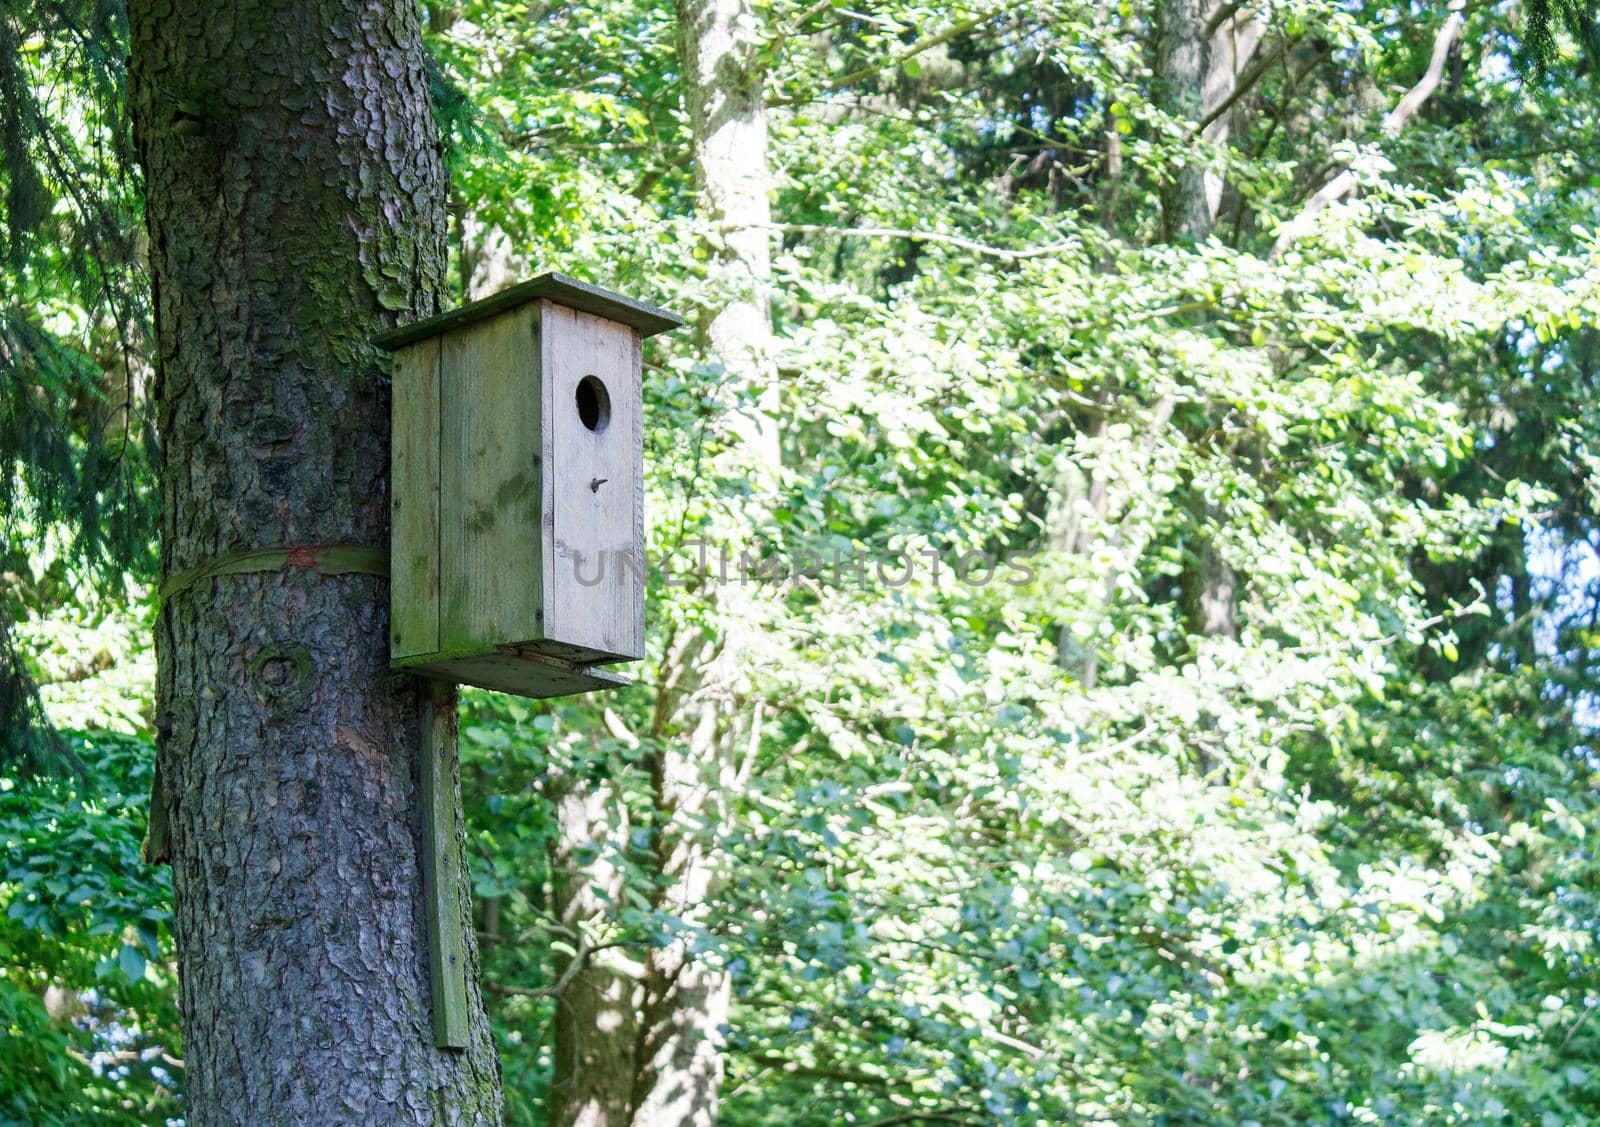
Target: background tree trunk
1180,77
295,202
597,1023
687,998
1201,50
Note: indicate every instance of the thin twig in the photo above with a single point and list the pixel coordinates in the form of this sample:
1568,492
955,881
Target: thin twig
985,249
926,43
1393,122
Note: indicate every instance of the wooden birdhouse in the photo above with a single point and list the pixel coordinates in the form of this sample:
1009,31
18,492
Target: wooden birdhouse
517,542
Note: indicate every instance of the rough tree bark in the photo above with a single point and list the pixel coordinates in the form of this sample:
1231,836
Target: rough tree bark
295,202
1202,47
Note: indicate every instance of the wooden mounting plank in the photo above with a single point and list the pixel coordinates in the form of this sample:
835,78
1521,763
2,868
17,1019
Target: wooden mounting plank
442,867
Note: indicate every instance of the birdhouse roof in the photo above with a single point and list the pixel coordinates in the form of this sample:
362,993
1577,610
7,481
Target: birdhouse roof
648,319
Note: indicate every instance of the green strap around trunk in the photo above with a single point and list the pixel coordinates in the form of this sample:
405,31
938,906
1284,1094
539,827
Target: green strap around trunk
324,559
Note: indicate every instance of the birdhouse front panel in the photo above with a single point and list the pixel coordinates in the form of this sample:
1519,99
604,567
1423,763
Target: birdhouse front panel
595,595
517,542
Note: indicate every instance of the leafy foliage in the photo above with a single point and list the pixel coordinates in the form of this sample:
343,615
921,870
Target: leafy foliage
88,988
1036,850
75,443
1546,21
1014,839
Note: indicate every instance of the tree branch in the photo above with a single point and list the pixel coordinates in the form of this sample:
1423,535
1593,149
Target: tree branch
1406,108
1222,16
1393,122
1245,83
926,237
926,43
821,1072
568,973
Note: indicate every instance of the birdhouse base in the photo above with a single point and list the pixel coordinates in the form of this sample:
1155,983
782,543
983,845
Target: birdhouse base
515,669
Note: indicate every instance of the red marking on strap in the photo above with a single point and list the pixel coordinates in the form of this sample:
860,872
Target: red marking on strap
302,557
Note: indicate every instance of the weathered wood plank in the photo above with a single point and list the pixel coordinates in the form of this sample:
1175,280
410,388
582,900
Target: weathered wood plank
489,524
442,868
594,544
527,673
414,489
646,318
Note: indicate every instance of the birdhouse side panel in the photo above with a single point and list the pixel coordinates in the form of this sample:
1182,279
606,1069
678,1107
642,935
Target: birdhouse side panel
490,428
595,534
414,502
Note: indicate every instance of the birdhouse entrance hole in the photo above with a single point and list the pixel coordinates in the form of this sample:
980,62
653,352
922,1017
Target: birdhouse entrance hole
594,404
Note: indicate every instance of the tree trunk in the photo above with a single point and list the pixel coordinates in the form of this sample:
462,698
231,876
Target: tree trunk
1180,76
1197,69
597,1024
1106,498
686,998
488,263
1211,589
295,201
719,43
